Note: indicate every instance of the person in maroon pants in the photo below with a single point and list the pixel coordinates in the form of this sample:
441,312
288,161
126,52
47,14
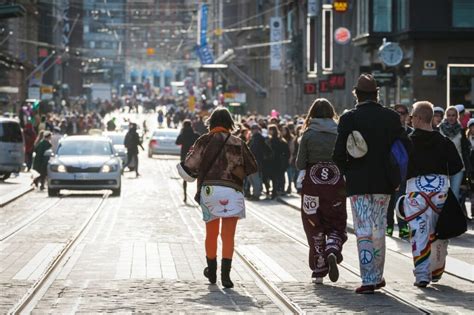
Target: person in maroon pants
323,199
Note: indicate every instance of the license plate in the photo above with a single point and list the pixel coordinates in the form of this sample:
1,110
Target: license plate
80,176
15,154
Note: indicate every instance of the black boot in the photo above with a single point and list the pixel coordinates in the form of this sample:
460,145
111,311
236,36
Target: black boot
225,273
210,270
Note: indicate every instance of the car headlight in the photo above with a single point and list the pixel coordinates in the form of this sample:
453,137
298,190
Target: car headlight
58,168
107,168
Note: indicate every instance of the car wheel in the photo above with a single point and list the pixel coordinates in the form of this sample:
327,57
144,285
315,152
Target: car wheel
116,192
53,192
4,176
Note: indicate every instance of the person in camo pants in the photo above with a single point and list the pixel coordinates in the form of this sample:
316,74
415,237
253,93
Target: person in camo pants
367,177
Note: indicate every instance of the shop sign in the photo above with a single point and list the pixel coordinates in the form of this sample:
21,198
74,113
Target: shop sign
341,5
342,35
313,8
429,64
310,88
276,35
46,90
34,93
324,86
235,97
337,81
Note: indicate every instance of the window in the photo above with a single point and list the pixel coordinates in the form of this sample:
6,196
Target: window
382,15
402,15
362,17
463,13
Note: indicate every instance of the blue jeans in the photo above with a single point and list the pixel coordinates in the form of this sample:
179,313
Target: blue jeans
291,173
455,184
255,180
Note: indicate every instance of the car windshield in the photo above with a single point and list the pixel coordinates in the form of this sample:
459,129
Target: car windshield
10,132
117,139
166,134
84,147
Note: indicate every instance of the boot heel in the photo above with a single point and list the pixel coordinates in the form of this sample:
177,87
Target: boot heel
225,273
210,272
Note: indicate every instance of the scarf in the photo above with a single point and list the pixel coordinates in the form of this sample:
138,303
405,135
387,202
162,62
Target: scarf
449,130
219,129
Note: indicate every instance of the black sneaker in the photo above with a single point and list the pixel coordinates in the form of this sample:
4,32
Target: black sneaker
333,270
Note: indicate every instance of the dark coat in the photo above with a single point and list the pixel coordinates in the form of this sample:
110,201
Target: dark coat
40,163
259,148
281,155
132,141
380,127
186,139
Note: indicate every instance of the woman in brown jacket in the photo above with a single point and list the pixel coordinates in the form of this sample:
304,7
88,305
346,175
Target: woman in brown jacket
220,162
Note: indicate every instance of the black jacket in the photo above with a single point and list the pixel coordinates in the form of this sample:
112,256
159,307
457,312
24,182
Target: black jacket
132,141
186,139
432,153
380,127
280,155
259,148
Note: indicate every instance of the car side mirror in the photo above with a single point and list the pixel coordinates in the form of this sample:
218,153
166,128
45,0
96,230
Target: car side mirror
49,153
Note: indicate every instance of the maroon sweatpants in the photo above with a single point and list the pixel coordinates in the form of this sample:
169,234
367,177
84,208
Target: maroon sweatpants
323,211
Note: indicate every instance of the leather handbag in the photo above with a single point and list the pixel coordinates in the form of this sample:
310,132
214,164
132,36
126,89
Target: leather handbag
451,222
202,175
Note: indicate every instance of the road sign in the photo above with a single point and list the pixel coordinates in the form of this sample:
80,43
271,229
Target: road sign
310,88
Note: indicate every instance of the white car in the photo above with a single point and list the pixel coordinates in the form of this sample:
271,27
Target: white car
118,139
84,163
163,141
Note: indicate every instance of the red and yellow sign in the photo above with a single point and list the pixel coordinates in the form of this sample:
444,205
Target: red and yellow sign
341,5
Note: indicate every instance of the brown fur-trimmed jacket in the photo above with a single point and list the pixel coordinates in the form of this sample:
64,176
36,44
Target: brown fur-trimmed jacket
233,164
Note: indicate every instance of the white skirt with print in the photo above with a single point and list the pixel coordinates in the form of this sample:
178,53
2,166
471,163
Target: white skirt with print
221,202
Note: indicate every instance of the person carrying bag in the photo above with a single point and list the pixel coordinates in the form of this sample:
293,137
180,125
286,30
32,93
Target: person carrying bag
220,162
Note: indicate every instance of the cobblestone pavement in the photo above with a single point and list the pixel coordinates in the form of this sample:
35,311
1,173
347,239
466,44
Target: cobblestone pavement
144,253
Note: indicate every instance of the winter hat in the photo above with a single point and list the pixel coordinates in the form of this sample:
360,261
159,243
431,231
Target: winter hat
460,107
470,122
438,109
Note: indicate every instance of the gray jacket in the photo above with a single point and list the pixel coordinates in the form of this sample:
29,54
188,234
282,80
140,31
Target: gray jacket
317,142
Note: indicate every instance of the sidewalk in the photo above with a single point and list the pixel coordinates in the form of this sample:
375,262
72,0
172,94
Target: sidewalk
14,187
459,261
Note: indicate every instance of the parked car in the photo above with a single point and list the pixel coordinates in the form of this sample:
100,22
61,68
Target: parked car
12,149
84,163
163,141
118,139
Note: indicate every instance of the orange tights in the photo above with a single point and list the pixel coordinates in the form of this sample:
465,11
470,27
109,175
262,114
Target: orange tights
227,235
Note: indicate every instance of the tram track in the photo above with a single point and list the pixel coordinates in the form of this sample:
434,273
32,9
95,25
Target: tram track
351,230
292,307
28,301
284,303
28,220
349,268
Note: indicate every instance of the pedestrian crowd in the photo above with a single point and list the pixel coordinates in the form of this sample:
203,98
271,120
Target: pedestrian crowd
385,161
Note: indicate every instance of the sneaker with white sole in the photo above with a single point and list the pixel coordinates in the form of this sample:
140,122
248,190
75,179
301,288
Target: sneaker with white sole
317,280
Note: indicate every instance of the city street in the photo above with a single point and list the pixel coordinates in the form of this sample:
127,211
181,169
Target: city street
144,252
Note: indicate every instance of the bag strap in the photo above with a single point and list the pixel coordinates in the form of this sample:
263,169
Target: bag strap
203,174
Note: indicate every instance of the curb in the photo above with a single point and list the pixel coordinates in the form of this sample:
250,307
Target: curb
14,196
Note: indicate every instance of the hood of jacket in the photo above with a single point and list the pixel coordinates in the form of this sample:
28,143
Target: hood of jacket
424,138
323,125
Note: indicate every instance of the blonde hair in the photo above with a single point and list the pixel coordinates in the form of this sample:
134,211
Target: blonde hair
424,111
451,108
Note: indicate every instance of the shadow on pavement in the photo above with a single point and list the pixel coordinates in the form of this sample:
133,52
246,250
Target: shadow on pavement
226,299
